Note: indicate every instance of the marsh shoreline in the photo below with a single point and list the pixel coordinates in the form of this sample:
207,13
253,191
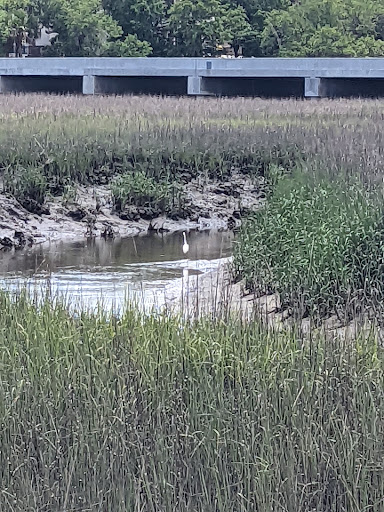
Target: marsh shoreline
211,205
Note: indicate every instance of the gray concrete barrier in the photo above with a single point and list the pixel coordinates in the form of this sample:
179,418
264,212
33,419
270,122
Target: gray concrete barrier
299,77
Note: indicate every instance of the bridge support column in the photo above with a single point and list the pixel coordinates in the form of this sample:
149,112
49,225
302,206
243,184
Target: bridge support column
195,86
5,84
89,82
9,84
312,87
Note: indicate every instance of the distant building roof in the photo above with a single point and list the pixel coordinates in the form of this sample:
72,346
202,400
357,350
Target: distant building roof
45,37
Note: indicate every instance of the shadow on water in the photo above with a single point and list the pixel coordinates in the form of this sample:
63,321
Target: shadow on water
140,268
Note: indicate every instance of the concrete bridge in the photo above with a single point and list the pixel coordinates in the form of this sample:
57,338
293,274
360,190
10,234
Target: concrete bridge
299,77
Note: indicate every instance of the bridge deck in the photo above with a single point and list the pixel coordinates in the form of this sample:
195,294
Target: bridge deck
197,76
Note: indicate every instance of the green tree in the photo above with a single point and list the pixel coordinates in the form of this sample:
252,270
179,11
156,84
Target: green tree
83,26
130,46
17,21
85,29
321,28
256,11
241,32
143,18
197,27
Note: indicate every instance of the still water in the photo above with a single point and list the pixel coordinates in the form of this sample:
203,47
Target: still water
149,270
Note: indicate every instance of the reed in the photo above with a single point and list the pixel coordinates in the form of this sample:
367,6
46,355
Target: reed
319,245
65,140
147,413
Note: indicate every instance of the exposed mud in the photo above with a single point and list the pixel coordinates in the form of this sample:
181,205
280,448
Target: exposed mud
217,294
212,205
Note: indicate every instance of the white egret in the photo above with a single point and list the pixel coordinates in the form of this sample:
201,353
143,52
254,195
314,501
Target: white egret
185,244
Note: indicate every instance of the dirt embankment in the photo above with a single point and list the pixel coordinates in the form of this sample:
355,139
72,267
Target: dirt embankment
213,205
216,294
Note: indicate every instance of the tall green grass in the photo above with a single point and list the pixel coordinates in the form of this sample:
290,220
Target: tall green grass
319,244
140,190
149,414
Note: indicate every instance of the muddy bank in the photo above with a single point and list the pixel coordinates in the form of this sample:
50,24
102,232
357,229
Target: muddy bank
210,205
216,294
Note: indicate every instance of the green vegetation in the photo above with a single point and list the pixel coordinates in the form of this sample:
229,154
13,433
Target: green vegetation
140,190
325,28
153,413
49,145
139,413
125,144
319,244
26,184
198,28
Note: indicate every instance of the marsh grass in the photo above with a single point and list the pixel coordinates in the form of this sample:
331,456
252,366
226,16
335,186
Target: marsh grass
147,413
96,147
319,244
138,189
152,413
93,140
26,184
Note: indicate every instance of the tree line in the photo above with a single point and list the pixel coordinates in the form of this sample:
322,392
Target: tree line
197,28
